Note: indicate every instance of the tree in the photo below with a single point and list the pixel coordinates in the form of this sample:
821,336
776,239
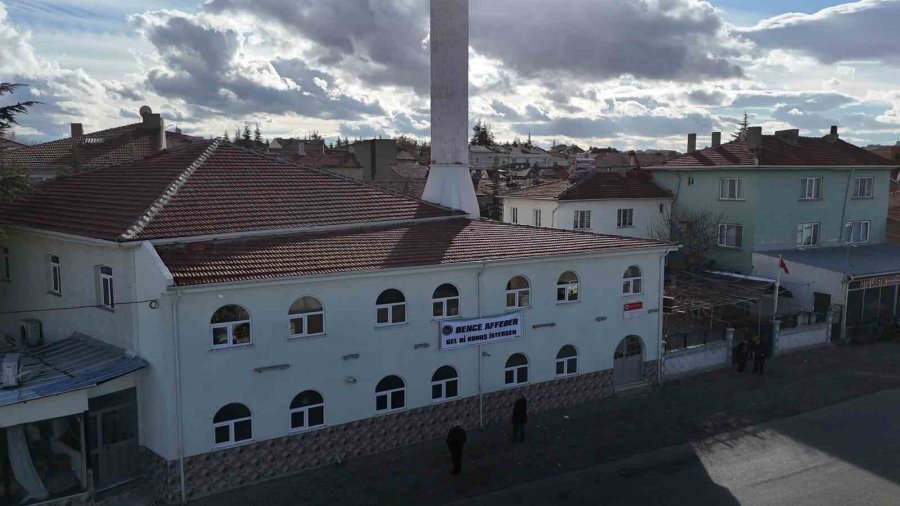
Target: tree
13,180
225,137
257,137
8,112
245,136
237,136
697,231
744,126
482,134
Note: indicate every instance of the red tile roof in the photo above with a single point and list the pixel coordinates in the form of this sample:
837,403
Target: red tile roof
205,188
409,170
775,151
365,249
632,184
329,159
8,144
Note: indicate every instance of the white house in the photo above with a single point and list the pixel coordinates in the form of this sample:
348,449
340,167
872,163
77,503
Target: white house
624,203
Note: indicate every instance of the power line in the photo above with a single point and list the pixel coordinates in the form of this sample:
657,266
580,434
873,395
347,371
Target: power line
153,304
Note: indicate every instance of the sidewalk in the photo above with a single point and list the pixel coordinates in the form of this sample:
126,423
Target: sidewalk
589,434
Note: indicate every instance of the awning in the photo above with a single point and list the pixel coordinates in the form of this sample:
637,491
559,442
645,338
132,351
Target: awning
57,376
698,291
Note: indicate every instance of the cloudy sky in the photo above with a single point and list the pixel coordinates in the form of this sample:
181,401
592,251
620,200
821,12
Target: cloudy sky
630,74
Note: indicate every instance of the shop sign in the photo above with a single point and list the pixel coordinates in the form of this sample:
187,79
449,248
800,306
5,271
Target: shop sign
878,281
634,309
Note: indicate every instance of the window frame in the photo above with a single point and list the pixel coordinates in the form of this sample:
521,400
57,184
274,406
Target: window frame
566,362
388,394
54,275
581,220
690,181
566,286
231,427
739,238
811,183
229,326
305,409
849,236
443,301
725,188
304,317
442,384
514,215
515,370
104,279
815,232
869,186
629,282
517,293
390,309
536,217
621,216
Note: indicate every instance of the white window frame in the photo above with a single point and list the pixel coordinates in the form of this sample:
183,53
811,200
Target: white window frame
582,220
690,181
516,369
387,393
230,424
808,231
443,301
230,330
105,286
723,229
628,282
862,187
569,288
7,273
848,234
54,275
514,215
390,310
442,384
304,319
726,187
537,217
570,362
625,218
305,410
812,188
517,293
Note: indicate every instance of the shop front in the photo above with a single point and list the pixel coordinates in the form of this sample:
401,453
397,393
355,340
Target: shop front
871,305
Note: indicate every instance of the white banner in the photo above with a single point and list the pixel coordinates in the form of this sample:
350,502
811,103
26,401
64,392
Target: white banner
461,333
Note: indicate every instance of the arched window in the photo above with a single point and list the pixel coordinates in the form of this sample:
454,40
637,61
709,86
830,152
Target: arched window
516,371
518,293
230,326
307,317
390,307
307,410
232,424
444,384
390,394
445,301
566,361
567,287
629,347
631,284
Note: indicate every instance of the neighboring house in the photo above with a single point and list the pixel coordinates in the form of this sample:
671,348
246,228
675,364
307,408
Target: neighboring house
376,157
250,318
817,201
9,144
97,149
627,203
891,153
488,157
314,154
532,156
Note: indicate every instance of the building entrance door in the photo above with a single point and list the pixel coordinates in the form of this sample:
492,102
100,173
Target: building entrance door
114,440
628,362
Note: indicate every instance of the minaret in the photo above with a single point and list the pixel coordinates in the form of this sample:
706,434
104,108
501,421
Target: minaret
449,181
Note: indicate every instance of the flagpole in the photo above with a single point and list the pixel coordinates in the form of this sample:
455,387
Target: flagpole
777,288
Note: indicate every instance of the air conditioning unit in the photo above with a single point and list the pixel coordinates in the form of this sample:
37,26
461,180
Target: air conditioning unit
30,333
10,370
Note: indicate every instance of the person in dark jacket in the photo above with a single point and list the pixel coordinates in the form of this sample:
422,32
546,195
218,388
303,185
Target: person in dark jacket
759,356
519,418
742,353
456,438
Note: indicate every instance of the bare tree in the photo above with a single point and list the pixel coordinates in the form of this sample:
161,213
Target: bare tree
697,231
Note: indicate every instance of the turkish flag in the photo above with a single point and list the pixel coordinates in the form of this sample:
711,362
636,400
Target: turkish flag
783,266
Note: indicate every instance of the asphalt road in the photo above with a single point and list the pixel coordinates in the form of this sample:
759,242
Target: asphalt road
847,453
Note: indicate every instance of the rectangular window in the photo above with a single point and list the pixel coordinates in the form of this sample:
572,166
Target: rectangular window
731,188
730,236
54,275
582,220
105,294
514,215
5,266
691,181
537,217
862,188
856,232
625,218
811,188
808,234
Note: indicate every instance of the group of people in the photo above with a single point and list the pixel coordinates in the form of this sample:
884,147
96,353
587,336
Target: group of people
456,438
755,351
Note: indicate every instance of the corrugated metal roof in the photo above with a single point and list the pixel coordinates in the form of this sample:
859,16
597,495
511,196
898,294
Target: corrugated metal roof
70,364
857,260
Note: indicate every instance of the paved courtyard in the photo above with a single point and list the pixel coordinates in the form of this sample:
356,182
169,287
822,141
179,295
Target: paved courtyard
563,443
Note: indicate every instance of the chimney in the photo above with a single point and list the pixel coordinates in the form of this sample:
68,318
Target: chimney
77,130
789,136
754,138
154,123
449,183
633,160
716,139
692,143
833,136
301,148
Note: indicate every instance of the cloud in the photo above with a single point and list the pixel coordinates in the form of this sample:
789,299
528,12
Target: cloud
863,30
620,126
806,100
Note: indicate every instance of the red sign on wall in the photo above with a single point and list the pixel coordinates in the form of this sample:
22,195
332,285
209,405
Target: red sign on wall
633,309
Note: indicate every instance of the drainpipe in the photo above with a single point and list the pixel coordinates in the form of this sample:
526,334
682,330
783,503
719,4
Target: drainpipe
553,216
846,245
480,357
178,397
659,350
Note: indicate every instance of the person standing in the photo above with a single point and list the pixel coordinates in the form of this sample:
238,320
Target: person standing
759,357
519,418
742,352
456,438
